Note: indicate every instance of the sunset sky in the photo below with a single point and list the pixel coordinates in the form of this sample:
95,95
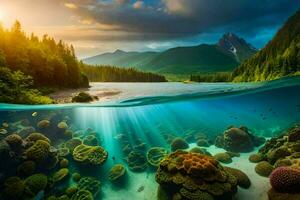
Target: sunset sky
98,26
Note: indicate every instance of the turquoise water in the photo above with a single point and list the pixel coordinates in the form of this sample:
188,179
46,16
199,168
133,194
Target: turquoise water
266,108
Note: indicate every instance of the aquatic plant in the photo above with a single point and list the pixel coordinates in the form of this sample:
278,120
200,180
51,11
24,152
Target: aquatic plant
194,176
223,157
89,183
264,168
242,179
179,143
155,155
137,161
38,152
286,179
94,155
60,174
116,172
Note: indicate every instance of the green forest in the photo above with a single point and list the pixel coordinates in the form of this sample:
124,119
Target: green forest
115,74
214,77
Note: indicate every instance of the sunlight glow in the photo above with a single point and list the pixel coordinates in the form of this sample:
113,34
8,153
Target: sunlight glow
2,15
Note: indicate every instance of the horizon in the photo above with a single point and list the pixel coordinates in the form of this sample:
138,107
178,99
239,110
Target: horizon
95,27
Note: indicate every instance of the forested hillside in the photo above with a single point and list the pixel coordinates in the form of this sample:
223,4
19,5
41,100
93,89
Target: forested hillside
49,63
279,58
114,74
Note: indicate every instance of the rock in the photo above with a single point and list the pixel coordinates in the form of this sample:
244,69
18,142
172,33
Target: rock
43,124
38,152
36,183
255,158
64,163
274,195
223,157
277,153
242,179
179,143
82,97
62,125
264,168
294,135
203,143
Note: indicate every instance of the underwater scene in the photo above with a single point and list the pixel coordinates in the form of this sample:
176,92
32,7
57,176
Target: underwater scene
228,141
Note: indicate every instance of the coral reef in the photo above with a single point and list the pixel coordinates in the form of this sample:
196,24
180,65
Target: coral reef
137,161
255,158
179,143
155,155
89,183
94,155
38,152
242,179
264,168
116,172
223,157
185,175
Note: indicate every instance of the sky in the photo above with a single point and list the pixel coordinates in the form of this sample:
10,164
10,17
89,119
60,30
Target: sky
98,26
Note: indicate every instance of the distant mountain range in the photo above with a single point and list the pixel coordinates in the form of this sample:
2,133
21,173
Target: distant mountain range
226,55
280,57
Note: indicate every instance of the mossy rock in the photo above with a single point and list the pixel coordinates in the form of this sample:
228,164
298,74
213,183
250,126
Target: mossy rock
116,172
33,137
38,152
223,157
62,125
82,97
264,168
155,155
64,163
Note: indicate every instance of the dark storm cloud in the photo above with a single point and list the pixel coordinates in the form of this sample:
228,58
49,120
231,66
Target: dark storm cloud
191,17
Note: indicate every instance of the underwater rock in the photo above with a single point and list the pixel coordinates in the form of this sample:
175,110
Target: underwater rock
94,155
82,195
223,157
89,183
116,172
235,140
255,158
35,183
60,174
242,179
90,140
200,150
43,124
62,125
264,168
137,161
38,152
179,143
274,195
76,176
13,188
283,162
194,176
203,143
64,163
294,135
286,180
26,168
233,154
73,143
277,153
155,155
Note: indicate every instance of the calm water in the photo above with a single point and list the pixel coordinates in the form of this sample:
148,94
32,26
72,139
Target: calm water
151,112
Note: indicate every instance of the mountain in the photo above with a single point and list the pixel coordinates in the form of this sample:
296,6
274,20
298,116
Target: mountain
223,56
280,57
237,46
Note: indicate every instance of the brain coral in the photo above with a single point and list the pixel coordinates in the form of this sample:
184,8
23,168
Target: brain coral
195,176
285,179
94,155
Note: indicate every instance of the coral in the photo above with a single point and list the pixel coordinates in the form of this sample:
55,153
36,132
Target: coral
15,141
33,137
38,152
89,183
68,133
140,147
283,162
90,140
13,188
255,158
137,161
60,174
82,195
63,152
203,143
277,153
26,168
294,135
64,163
155,155
242,178
223,157
116,172
274,195
73,143
185,175
179,143
263,168
35,183
94,155
62,125
76,176
43,124
200,150
71,190
286,179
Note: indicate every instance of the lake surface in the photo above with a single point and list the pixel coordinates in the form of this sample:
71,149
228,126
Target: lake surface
149,113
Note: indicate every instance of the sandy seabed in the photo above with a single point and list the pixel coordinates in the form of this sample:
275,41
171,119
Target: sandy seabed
257,191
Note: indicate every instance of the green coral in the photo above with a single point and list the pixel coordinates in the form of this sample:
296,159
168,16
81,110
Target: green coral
82,195
89,183
94,155
73,143
35,183
264,168
33,137
60,174
155,155
137,161
116,172
38,152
